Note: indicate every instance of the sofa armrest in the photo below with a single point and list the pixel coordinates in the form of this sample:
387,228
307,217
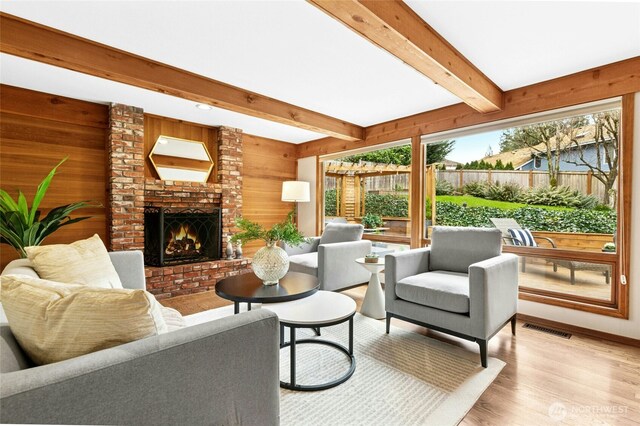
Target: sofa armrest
493,292
402,265
337,267
190,376
130,268
311,246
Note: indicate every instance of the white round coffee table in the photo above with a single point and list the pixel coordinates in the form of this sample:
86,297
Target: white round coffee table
373,304
321,309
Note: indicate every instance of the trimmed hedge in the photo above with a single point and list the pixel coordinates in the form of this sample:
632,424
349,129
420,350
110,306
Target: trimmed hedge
533,218
387,205
330,202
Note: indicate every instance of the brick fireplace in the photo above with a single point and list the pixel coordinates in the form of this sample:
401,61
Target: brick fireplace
129,191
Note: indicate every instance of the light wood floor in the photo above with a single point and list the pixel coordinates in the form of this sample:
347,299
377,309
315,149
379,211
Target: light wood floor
594,381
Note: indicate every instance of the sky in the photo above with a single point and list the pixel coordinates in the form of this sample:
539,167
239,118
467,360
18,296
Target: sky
474,147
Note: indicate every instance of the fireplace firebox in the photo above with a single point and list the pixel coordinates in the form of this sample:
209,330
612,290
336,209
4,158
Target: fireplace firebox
177,236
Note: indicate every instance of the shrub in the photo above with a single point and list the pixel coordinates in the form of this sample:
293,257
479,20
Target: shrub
387,205
561,196
372,220
507,192
443,187
476,189
534,218
330,202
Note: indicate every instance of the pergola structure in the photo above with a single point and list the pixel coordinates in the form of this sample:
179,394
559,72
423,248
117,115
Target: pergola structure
351,184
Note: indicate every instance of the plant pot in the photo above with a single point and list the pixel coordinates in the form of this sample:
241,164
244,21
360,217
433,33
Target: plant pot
270,263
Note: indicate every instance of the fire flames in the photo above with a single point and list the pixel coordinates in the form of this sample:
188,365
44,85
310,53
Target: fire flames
183,241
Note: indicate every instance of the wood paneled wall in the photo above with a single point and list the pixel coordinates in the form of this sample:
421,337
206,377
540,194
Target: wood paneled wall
266,164
37,130
155,126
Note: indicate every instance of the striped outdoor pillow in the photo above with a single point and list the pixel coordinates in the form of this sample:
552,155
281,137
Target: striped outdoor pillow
522,237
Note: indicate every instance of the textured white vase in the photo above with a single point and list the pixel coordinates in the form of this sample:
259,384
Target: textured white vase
270,263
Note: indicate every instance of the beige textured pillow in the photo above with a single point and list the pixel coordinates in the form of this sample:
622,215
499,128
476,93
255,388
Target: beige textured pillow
83,262
55,321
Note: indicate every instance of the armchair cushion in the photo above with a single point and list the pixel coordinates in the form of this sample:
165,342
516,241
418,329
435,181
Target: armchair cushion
341,233
306,263
454,249
448,291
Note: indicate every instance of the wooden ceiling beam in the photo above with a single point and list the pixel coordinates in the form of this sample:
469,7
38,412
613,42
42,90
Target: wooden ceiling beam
604,82
396,28
40,43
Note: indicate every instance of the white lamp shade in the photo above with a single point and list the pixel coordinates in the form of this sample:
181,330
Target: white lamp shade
296,191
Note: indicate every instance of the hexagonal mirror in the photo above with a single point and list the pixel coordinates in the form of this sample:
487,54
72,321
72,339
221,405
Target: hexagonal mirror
181,159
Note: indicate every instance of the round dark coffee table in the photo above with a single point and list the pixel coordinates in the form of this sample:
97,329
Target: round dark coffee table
248,288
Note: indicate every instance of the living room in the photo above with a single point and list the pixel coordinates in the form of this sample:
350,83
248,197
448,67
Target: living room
260,210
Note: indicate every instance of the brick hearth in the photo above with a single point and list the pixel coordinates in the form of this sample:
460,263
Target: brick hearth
129,191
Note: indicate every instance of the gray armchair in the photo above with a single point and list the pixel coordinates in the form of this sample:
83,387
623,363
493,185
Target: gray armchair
461,285
189,376
332,257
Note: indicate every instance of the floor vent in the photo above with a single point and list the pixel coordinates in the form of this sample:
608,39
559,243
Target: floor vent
548,330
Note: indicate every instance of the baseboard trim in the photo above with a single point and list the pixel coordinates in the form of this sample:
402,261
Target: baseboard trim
580,330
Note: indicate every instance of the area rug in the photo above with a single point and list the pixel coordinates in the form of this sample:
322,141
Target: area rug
402,378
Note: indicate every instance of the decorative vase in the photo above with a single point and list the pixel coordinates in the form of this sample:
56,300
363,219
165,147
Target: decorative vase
239,250
229,250
270,263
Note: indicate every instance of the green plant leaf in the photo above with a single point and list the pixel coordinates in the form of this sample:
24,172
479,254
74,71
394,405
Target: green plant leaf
23,208
6,202
42,190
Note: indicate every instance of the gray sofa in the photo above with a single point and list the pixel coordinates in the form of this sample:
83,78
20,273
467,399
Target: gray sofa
462,285
218,372
332,257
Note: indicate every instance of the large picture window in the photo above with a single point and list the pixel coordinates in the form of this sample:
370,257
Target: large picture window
554,188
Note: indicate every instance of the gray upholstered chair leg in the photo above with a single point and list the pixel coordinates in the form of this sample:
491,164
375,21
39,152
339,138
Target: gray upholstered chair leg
388,322
513,325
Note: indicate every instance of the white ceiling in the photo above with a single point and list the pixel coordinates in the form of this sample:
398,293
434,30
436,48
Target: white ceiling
291,51
517,43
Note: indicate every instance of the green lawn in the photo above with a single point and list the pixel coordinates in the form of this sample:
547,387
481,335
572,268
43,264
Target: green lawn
481,202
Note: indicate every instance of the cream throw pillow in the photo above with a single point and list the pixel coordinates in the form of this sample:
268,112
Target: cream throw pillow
173,319
55,321
83,262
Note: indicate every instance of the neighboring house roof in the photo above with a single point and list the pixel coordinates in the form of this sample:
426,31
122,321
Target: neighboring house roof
519,157
448,163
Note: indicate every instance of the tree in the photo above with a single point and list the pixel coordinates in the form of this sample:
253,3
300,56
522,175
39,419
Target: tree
401,155
437,152
548,139
602,159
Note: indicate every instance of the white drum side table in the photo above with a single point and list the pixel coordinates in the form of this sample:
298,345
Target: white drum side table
322,309
373,304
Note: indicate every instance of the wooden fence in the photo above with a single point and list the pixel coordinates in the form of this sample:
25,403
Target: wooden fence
583,182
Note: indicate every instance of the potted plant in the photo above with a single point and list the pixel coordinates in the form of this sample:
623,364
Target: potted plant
270,263
609,248
372,221
371,258
21,226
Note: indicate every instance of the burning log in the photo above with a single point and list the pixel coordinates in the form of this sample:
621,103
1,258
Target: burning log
183,242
